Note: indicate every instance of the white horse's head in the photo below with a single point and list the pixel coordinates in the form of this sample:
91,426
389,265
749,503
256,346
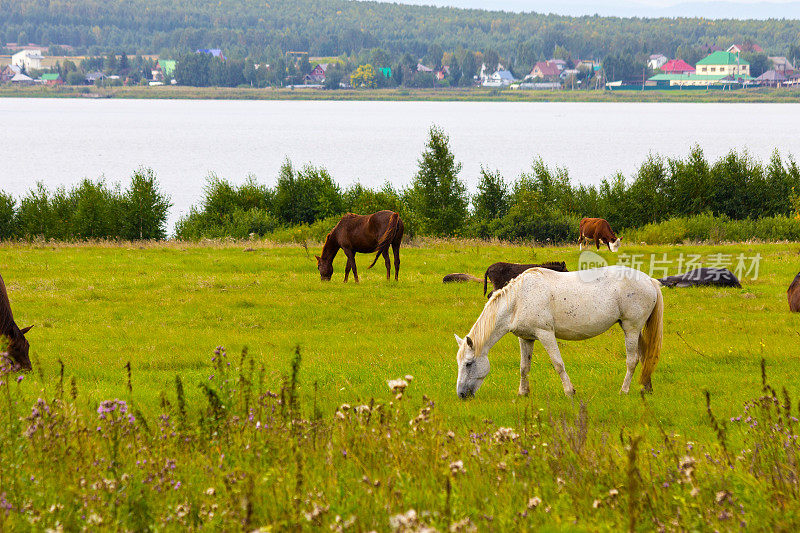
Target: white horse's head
614,246
472,368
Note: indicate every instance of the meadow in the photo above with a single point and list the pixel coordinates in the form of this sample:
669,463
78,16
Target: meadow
495,462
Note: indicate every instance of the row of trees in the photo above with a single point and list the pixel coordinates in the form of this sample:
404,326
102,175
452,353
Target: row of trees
92,210
542,204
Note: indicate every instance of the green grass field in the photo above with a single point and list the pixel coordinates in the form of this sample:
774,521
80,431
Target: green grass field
165,307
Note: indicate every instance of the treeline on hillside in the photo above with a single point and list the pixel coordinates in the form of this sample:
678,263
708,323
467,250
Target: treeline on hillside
541,204
266,31
91,210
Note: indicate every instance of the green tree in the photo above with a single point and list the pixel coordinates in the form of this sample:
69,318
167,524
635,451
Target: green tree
364,76
492,199
7,216
437,197
144,208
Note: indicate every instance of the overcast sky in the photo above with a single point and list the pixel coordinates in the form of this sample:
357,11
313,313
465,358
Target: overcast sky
629,8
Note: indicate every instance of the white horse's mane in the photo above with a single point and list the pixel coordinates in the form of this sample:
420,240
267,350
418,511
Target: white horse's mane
484,326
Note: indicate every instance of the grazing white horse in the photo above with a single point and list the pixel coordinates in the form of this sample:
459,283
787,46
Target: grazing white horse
544,305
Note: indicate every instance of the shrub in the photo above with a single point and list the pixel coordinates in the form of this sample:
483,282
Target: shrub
144,208
7,221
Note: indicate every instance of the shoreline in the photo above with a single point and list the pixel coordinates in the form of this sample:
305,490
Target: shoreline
756,95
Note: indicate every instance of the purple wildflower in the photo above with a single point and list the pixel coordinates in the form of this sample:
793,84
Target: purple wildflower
20,378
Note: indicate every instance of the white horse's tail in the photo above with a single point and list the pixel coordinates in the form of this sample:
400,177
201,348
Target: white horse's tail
650,339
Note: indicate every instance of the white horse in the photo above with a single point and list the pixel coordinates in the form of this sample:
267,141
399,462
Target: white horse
545,305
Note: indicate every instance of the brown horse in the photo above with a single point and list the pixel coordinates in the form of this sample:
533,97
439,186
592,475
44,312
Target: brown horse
794,294
500,274
363,234
17,345
599,231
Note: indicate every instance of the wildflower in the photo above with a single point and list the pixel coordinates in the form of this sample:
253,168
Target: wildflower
397,385
344,407
596,504
177,485
464,524
695,492
210,491
505,434
409,377
457,467
450,435
534,502
20,378
721,496
340,415
502,465
560,481
613,493
94,519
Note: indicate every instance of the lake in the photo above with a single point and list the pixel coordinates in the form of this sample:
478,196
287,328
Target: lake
60,141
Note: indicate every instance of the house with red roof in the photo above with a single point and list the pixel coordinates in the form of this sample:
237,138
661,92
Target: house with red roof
546,70
677,66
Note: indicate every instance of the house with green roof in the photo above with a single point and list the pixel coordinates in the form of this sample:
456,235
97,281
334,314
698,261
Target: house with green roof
723,64
51,78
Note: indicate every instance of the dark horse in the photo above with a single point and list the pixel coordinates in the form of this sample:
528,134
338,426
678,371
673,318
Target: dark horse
17,345
363,234
501,273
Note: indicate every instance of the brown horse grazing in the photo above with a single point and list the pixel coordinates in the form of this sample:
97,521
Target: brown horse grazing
794,294
599,231
501,273
363,234
17,345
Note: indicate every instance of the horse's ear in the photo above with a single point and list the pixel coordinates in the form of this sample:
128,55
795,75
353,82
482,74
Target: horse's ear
26,330
459,340
469,343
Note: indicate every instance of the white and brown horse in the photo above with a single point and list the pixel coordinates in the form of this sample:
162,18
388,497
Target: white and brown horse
599,231
545,305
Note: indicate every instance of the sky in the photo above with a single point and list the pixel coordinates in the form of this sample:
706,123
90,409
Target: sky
640,8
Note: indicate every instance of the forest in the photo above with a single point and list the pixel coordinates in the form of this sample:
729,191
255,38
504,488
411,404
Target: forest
267,31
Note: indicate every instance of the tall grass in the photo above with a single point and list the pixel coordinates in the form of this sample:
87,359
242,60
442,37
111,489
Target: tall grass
252,452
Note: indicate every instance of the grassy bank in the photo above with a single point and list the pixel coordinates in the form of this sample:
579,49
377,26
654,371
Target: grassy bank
198,458
760,95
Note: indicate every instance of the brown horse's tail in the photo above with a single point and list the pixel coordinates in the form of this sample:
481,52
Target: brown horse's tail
387,238
650,339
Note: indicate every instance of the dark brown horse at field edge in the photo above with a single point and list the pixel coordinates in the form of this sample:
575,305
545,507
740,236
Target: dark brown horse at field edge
13,342
363,234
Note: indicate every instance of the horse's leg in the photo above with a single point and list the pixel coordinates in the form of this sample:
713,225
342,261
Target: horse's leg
388,264
347,269
597,243
631,356
548,340
525,351
396,251
581,240
353,261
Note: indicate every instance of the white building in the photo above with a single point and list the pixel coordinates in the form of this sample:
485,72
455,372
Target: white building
501,78
28,59
656,61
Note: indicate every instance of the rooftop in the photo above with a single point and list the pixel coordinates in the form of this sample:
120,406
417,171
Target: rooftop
722,58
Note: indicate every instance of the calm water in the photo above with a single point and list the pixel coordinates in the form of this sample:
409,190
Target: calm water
61,141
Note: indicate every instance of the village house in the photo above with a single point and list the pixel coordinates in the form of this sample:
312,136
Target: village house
545,70
93,77
52,78
744,48
772,78
423,68
22,79
677,66
781,64
500,78
216,52
723,64
317,74
9,72
656,61
442,73
28,59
